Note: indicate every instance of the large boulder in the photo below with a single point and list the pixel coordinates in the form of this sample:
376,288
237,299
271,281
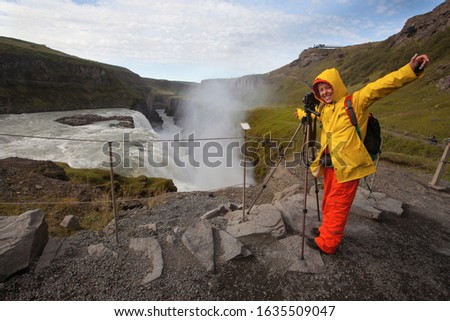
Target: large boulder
22,239
263,219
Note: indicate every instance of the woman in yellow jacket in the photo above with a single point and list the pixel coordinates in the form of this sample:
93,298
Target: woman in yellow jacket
340,141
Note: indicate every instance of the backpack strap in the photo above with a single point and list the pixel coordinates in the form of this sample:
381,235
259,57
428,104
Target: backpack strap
354,121
351,114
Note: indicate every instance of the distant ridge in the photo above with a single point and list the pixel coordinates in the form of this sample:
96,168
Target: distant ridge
35,78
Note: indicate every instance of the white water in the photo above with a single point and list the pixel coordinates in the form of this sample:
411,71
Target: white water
82,154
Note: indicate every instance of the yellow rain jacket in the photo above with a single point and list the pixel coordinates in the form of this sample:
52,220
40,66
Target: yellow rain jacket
348,153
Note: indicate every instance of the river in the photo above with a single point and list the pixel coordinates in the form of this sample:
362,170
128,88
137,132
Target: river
192,165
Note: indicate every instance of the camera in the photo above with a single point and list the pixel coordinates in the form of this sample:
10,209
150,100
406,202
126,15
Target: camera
310,100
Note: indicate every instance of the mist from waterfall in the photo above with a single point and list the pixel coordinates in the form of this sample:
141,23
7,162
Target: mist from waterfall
211,116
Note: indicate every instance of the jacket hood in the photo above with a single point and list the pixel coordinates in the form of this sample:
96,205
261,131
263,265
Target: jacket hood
331,77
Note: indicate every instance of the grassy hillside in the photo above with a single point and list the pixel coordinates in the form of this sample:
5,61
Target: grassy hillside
408,116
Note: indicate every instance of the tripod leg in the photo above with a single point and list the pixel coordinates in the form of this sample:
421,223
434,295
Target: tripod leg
317,198
300,126
305,211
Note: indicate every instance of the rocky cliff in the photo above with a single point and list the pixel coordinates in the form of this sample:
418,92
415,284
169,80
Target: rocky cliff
423,26
35,78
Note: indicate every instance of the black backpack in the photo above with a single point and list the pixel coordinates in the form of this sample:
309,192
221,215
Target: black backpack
372,141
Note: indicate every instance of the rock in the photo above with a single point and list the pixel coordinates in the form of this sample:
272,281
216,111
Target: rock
381,202
56,248
50,252
294,189
214,213
199,240
312,259
291,209
423,27
22,239
101,250
170,239
110,229
71,222
230,248
311,55
365,205
443,84
151,227
375,204
235,207
152,249
362,208
130,204
263,219
87,119
285,255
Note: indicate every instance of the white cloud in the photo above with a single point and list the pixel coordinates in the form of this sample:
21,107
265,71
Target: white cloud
240,36
157,32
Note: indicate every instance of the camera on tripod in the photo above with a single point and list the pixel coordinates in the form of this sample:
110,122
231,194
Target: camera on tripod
309,104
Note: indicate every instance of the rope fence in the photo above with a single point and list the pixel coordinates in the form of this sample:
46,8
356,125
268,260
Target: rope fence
112,196
259,138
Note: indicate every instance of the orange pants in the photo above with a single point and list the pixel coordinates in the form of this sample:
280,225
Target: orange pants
336,204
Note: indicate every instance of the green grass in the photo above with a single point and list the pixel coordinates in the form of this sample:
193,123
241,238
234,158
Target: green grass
140,186
277,124
277,121
421,114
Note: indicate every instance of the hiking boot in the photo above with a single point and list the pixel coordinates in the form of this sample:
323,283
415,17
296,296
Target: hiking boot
314,231
312,244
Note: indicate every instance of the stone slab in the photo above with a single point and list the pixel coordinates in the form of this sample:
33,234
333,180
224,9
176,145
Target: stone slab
289,258
152,249
291,209
230,248
199,240
50,253
101,250
263,219
22,240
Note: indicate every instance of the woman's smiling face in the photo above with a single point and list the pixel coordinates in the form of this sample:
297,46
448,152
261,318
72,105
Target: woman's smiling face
326,92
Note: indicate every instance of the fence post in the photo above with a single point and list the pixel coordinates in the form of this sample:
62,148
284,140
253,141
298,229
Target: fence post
113,196
245,127
441,166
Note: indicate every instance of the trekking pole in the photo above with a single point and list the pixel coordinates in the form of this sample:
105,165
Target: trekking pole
276,166
376,166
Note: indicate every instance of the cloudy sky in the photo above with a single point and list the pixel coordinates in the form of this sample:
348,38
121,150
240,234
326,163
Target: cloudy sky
193,40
